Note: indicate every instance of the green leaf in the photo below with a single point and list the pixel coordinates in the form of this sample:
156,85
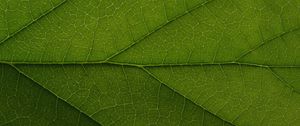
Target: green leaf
160,62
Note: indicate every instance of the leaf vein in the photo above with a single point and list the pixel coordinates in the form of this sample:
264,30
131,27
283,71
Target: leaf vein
25,75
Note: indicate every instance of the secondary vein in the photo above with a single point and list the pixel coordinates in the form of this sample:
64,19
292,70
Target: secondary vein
266,42
32,22
160,81
158,28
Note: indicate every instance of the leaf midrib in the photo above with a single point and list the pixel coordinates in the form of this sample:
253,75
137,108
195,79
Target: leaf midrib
151,65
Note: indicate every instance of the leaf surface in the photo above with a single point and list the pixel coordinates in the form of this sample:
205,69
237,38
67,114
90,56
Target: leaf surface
191,62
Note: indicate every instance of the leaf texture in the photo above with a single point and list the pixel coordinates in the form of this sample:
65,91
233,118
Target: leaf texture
163,62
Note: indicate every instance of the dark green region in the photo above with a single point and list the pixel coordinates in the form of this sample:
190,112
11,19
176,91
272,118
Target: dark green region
25,103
